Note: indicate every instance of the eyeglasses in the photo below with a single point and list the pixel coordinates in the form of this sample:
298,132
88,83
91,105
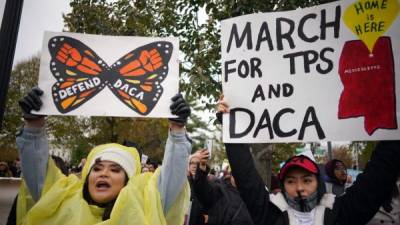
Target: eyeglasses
341,169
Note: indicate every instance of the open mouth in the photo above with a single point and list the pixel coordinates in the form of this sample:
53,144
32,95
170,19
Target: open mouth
102,185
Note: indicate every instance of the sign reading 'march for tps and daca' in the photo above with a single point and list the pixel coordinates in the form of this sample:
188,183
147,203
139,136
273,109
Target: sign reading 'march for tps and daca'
329,72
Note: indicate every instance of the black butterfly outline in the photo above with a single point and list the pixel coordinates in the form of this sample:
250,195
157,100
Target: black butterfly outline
141,100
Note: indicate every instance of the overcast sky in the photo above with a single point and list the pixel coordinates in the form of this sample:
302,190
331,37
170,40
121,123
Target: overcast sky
37,17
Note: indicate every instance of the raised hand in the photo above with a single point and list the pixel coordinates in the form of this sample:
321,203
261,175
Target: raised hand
202,155
180,108
222,107
31,101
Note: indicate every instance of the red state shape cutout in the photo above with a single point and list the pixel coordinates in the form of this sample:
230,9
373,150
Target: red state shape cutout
369,84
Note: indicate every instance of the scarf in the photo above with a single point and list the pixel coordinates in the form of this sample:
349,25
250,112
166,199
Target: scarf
302,204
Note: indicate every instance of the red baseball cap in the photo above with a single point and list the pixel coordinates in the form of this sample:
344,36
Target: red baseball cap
301,161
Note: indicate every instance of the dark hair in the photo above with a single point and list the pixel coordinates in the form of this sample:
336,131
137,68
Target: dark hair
152,162
330,167
107,206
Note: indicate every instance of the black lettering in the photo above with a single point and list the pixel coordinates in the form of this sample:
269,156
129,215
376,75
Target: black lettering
243,69
359,8
292,61
287,90
324,59
381,26
258,93
372,5
239,41
300,30
384,4
264,35
229,70
310,57
232,122
274,91
358,29
288,35
264,117
255,63
277,129
335,24
314,122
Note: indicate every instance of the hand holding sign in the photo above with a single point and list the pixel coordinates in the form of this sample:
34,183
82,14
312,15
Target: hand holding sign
30,102
370,19
180,108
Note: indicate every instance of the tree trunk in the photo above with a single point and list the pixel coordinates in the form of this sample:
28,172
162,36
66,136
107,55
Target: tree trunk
113,134
262,156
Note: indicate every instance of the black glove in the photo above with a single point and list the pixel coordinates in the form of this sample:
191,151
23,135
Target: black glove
180,108
31,101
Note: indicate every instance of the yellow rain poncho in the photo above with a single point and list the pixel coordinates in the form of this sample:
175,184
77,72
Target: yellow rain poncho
62,201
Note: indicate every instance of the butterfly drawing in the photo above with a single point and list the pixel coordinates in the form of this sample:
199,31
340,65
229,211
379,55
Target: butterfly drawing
135,79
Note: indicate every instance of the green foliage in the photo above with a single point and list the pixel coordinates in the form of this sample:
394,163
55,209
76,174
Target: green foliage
365,151
282,152
343,153
79,151
200,67
77,134
22,79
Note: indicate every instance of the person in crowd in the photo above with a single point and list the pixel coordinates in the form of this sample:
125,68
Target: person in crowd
152,165
219,198
5,170
112,190
196,214
275,184
16,168
303,200
145,169
212,175
389,212
336,177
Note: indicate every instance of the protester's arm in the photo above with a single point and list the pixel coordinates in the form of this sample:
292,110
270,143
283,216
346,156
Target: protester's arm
205,192
249,183
174,167
173,171
33,145
363,199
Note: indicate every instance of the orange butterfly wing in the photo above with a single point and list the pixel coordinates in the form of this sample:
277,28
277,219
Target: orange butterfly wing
78,70
137,76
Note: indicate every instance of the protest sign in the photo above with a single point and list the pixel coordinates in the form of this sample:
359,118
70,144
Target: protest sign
96,75
328,72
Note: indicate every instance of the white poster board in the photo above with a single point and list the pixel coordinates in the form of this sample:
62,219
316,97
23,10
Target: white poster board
329,72
96,75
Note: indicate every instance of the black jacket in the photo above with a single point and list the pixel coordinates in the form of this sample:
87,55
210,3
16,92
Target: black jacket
221,200
357,206
197,211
